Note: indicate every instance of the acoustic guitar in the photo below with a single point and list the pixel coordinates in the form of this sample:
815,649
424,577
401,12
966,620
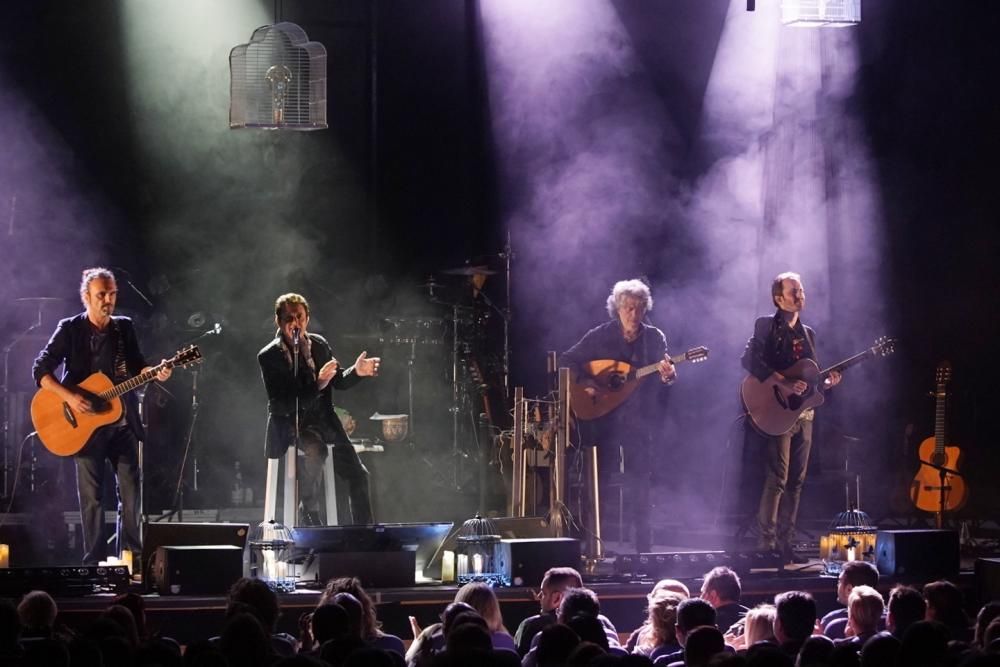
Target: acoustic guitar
926,488
614,381
64,431
773,409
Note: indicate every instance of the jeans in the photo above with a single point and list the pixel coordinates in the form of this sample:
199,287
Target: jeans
786,459
118,445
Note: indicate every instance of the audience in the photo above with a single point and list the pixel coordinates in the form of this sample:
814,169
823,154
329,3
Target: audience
678,631
854,573
554,583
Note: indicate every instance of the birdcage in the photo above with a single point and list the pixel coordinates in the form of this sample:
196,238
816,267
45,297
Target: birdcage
477,553
271,546
821,13
852,536
278,80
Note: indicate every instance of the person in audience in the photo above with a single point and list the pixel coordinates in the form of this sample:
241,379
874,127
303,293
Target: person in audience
584,654
880,651
555,581
577,601
330,621
815,652
37,612
480,596
854,573
431,640
589,629
371,629
795,618
10,632
700,646
758,626
555,644
945,605
986,615
244,640
864,612
255,597
691,613
721,589
906,607
658,635
991,636
924,644
643,634
135,604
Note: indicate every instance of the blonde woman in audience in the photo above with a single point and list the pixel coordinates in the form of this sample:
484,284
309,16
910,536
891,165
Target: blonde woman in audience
644,639
758,625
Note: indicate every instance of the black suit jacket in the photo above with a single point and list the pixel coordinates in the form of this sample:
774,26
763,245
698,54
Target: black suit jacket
315,407
70,344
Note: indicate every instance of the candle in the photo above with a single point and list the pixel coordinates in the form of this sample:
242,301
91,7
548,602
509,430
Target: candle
127,559
850,553
477,563
824,547
463,564
448,566
4,555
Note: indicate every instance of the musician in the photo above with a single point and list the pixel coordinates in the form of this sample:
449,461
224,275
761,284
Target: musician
97,340
625,337
319,373
778,342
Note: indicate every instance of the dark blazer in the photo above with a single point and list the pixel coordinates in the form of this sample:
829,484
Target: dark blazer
70,344
769,349
315,406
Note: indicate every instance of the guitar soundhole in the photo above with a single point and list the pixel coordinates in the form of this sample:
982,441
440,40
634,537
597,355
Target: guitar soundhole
794,401
616,381
939,459
779,398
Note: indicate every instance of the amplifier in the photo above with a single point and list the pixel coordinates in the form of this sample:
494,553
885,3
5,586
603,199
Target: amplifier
69,581
375,569
917,555
690,564
197,570
526,560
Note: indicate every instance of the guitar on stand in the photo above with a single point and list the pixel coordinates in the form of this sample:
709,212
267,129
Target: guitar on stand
65,432
938,486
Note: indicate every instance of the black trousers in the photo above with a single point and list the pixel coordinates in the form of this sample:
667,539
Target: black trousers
118,445
347,466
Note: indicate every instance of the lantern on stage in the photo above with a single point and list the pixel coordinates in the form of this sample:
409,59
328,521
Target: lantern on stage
477,553
852,537
271,546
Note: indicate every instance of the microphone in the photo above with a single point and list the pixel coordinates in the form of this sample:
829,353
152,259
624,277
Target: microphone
217,329
295,339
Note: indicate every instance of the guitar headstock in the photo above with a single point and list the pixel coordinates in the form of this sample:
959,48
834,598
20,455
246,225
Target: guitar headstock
185,357
884,346
696,354
942,375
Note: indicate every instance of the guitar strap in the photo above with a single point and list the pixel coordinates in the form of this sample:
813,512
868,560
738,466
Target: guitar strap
121,368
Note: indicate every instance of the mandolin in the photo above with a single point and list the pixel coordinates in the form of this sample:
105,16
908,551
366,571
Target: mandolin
926,490
614,381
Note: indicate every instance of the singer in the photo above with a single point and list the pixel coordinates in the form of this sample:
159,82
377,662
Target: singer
300,374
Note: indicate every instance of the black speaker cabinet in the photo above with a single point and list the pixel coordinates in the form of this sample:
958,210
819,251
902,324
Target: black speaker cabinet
988,579
375,569
197,570
526,560
171,534
913,555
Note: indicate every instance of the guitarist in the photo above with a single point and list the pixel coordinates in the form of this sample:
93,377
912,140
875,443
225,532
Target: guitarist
777,343
96,340
625,337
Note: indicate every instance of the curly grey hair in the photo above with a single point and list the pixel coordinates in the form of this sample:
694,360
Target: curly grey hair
624,289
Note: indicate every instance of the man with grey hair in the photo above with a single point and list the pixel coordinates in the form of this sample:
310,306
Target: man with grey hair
630,427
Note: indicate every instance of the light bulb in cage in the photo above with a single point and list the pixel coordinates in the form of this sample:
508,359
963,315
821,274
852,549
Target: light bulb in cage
271,547
278,80
477,554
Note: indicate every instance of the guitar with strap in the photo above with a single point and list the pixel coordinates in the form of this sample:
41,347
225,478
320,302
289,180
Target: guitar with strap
614,381
64,431
773,409
937,486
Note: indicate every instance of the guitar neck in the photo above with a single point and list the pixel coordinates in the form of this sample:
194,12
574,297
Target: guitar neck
847,363
939,404
654,367
133,383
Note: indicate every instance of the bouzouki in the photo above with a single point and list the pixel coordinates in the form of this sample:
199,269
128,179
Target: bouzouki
614,381
773,409
934,489
64,431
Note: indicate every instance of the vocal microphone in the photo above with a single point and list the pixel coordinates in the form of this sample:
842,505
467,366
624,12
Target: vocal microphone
295,338
217,329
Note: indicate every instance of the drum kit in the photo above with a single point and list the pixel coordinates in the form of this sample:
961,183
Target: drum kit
457,344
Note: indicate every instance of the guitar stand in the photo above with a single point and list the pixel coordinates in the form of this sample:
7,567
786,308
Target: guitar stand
943,488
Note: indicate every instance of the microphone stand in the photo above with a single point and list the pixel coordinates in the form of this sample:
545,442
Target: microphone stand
6,398
292,461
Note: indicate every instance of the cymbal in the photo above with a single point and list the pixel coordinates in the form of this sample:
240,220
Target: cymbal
419,320
40,299
480,270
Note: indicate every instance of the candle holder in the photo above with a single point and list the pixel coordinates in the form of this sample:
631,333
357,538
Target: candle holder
852,537
271,547
477,553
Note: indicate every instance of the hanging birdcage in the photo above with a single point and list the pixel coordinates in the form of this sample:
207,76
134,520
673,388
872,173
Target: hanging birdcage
852,536
278,81
271,546
477,553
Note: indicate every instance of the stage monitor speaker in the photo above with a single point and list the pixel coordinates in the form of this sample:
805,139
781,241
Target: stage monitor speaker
988,579
420,540
197,570
917,555
375,569
525,561
180,534
66,581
